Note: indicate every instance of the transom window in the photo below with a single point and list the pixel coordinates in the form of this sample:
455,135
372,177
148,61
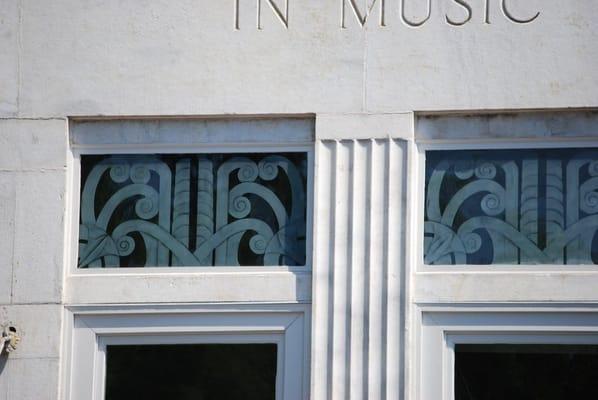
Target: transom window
511,206
241,209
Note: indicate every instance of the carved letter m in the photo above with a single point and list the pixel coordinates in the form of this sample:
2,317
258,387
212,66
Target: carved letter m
362,17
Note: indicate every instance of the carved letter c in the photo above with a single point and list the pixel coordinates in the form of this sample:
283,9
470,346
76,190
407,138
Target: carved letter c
511,17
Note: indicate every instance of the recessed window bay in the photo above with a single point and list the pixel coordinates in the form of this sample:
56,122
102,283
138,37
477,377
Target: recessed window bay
511,207
193,210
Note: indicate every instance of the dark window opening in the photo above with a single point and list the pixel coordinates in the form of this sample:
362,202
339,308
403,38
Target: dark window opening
526,372
191,372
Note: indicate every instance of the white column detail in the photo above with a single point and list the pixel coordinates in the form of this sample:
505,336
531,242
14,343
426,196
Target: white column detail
359,242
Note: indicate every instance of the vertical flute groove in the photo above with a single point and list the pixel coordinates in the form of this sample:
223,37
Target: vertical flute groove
342,205
359,270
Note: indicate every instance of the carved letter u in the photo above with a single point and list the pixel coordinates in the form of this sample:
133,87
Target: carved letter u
414,24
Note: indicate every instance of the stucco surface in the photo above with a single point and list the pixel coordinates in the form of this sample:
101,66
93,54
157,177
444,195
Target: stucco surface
32,186
501,65
7,225
185,57
9,57
29,145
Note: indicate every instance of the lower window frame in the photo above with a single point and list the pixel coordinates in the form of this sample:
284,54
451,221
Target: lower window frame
441,330
92,329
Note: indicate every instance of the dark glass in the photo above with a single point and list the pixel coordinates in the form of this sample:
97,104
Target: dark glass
526,372
193,210
511,207
191,372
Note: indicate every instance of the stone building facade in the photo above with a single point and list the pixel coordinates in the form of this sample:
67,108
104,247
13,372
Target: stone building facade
366,287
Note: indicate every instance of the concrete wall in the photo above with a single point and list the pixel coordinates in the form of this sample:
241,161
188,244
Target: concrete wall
69,58
32,190
162,57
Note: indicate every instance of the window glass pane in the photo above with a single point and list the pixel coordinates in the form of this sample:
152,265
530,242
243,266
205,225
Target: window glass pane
193,210
511,207
546,372
191,372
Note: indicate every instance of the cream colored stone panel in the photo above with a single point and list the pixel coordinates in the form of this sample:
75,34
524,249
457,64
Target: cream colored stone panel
39,237
9,58
33,144
550,62
185,57
38,327
7,226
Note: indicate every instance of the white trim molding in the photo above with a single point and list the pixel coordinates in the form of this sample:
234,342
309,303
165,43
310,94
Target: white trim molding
442,327
507,125
92,328
186,284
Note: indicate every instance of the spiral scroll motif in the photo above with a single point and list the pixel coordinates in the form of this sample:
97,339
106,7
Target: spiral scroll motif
472,242
125,245
268,169
493,204
464,169
193,210
485,171
240,207
511,206
140,173
248,172
589,203
147,207
120,172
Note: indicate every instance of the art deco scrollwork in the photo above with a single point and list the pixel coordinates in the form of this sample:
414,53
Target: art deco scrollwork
511,207
193,210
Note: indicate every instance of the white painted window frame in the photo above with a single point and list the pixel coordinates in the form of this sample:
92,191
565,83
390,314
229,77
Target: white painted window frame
432,289
239,284
75,194
93,328
442,327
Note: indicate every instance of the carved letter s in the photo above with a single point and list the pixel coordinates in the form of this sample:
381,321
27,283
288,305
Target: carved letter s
511,17
466,20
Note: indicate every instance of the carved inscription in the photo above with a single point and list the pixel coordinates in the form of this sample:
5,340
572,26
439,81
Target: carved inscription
506,11
362,17
412,22
467,8
415,24
362,11
281,14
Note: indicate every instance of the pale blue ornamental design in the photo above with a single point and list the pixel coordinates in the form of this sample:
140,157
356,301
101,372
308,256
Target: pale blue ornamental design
511,207
193,210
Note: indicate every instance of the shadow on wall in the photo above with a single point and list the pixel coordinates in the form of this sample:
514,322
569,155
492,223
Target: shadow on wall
3,361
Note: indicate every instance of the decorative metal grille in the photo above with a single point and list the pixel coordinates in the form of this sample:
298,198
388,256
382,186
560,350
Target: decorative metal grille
193,210
511,207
